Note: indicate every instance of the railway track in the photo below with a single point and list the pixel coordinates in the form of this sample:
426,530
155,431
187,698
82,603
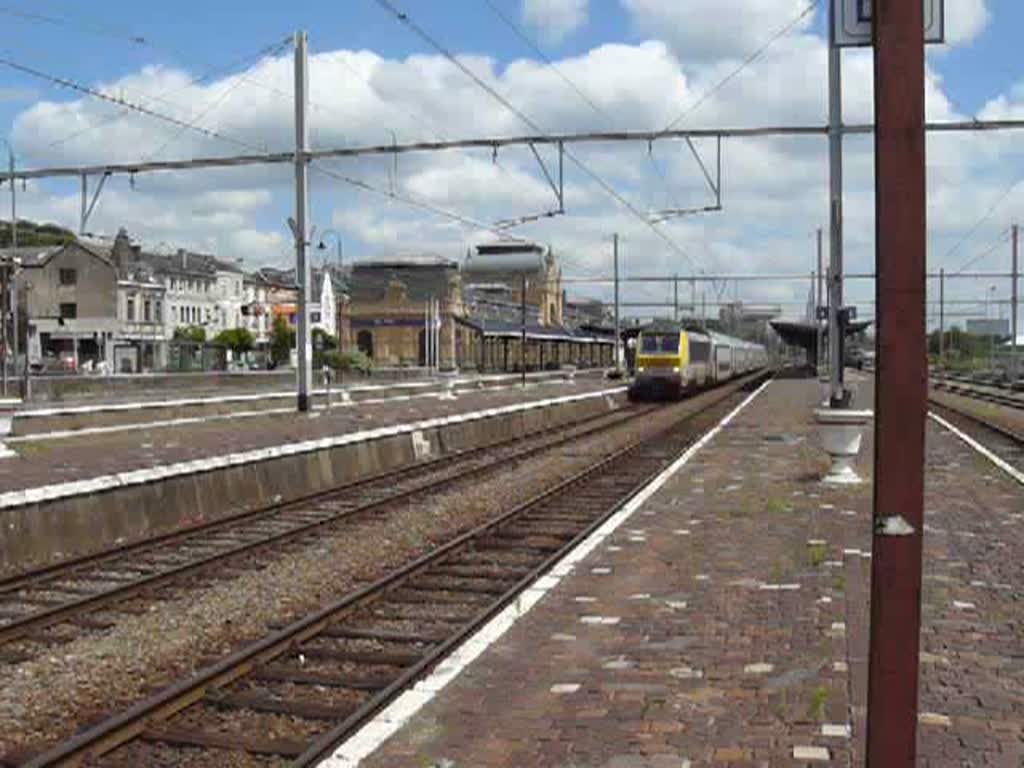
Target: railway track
964,389
85,594
292,697
1008,444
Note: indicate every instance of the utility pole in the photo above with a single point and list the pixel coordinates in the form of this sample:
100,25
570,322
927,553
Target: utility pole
615,259
942,316
522,315
819,350
303,341
835,157
1014,368
675,298
901,384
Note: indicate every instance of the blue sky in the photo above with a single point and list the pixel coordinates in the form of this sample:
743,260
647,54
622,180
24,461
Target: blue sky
759,228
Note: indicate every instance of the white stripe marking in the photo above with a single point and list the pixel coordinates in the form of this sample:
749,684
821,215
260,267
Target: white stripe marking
366,740
140,476
1016,474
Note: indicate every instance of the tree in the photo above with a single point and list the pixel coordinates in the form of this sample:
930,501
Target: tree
195,334
238,340
323,345
282,339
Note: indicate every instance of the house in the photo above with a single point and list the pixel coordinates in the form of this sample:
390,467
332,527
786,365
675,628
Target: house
70,296
325,285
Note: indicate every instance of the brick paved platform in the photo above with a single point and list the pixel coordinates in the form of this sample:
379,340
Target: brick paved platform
91,455
725,623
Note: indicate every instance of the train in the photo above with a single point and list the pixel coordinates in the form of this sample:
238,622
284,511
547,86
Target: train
671,362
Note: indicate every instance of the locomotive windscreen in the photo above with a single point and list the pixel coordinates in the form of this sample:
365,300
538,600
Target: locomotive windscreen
659,343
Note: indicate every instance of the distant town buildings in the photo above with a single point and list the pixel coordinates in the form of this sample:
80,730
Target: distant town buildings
112,306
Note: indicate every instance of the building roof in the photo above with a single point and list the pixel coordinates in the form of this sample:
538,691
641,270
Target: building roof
505,329
422,281
39,255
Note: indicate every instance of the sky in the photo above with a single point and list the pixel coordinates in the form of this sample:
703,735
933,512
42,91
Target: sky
226,67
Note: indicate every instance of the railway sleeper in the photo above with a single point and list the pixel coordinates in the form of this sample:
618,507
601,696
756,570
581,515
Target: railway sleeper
266,702
412,596
433,618
277,673
477,571
342,632
257,745
512,544
371,658
428,585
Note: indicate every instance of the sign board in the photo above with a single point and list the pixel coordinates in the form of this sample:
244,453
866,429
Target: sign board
988,327
853,22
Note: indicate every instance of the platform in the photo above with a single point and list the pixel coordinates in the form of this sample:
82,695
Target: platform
96,453
725,623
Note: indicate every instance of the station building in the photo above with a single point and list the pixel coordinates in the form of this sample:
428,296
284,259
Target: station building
384,313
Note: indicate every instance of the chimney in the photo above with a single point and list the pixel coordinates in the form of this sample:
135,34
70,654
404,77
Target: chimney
121,252
183,255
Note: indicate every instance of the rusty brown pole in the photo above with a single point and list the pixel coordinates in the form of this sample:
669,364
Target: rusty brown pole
900,384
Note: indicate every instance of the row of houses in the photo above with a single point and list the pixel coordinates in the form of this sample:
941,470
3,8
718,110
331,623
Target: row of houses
115,306
112,305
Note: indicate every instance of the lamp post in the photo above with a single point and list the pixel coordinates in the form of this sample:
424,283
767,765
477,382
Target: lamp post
992,336
10,299
337,237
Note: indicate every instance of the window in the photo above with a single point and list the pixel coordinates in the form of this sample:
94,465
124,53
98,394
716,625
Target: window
68,311
69,277
130,310
700,351
147,311
159,311
314,317
659,343
364,342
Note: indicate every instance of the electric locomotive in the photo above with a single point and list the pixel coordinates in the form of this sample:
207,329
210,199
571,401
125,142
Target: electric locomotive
671,361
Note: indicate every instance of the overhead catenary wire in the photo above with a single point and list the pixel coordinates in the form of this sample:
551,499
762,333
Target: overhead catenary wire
239,80
749,60
130,105
95,28
530,43
984,217
1002,238
406,20
410,201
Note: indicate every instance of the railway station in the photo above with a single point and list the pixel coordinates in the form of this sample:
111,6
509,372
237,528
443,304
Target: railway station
484,462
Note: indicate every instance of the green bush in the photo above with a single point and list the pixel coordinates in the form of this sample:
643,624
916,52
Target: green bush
193,333
238,340
348,362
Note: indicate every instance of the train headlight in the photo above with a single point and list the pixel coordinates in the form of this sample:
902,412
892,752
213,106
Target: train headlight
640,369
675,369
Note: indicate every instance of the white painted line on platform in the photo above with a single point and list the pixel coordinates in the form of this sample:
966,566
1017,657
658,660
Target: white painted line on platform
142,405
140,476
64,434
1013,472
366,740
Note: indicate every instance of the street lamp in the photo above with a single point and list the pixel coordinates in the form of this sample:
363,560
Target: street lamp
337,237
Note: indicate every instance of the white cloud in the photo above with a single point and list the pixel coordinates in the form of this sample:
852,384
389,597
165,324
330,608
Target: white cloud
965,20
555,19
701,30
